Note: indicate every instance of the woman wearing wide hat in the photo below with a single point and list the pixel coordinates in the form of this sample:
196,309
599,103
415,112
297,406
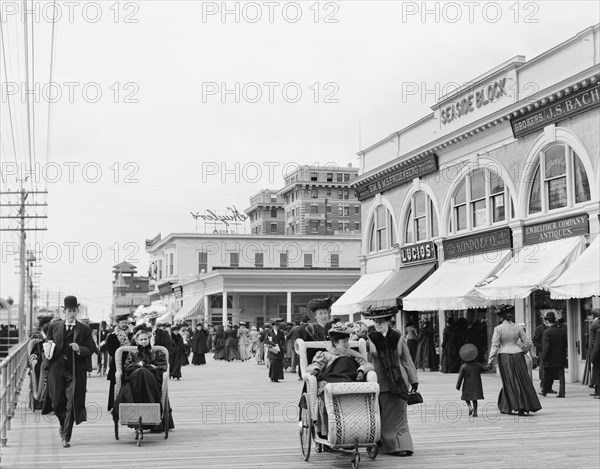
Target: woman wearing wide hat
517,393
275,340
320,308
397,375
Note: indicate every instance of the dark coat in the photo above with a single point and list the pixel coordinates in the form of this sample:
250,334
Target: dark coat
200,341
176,356
297,332
469,377
538,334
112,344
272,339
596,354
82,335
554,347
162,337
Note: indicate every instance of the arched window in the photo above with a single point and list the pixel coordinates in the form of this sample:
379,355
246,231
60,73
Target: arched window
481,199
559,180
421,222
381,231
217,301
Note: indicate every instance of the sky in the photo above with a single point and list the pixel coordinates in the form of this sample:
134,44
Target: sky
158,109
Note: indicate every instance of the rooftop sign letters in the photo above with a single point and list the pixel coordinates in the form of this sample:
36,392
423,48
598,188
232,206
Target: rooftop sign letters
556,229
231,216
557,110
478,243
403,174
475,98
418,253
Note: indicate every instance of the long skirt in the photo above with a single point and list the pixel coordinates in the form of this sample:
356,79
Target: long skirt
412,348
276,369
517,393
395,435
198,359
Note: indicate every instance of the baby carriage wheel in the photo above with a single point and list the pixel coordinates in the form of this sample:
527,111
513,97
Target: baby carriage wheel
355,460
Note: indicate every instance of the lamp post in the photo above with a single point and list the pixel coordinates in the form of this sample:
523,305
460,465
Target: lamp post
30,260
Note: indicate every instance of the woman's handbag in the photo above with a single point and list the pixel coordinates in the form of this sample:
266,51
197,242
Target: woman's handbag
414,398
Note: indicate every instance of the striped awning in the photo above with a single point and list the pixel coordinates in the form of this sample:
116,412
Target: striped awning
191,309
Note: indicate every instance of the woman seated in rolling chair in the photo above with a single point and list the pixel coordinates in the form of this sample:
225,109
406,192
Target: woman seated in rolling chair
337,364
142,374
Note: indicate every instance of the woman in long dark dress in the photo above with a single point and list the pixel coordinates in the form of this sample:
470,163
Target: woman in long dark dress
450,347
143,375
177,351
517,393
426,353
220,344
275,340
199,346
412,339
231,344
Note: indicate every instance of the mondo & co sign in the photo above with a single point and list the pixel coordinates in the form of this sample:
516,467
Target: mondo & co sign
478,243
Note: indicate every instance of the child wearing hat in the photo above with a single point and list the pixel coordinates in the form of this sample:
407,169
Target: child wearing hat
469,377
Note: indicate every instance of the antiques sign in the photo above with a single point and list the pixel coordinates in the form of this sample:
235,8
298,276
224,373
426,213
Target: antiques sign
479,243
557,229
405,173
557,110
422,252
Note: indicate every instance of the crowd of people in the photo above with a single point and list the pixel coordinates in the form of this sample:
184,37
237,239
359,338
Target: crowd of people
60,355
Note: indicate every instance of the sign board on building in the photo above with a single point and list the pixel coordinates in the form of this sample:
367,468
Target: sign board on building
576,225
418,253
165,289
476,97
403,174
557,110
178,292
477,243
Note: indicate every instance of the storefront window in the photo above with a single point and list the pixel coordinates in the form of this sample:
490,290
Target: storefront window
421,222
480,200
381,232
565,181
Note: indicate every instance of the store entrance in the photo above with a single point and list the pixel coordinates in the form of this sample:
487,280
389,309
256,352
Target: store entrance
540,304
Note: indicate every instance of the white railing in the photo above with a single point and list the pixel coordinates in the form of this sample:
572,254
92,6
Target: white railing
12,373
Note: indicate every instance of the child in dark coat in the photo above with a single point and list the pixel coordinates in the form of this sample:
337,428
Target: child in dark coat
469,376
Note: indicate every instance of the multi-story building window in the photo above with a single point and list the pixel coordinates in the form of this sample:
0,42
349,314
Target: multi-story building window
328,226
356,209
170,266
283,260
421,220
357,225
481,199
234,259
314,176
314,194
329,177
559,180
259,259
159,269
273,227
346,177
202,262
328,192
340,194
329,209
340,177
273,212
381,230
334,261
314,226
308,260
314,208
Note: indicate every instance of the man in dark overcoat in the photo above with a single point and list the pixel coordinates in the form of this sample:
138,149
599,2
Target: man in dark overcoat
297,332
554,346
593,338
538,335
67,371
119,337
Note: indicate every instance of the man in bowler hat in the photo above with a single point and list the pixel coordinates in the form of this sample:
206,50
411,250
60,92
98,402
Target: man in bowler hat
554,349
67,373
539,350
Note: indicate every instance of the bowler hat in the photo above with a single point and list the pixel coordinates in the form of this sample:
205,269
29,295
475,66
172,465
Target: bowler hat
378,313
70,302
549,315
468,352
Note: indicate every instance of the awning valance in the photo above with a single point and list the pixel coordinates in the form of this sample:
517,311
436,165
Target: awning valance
534,267
452,286
191,309
582,278
350,302
398,284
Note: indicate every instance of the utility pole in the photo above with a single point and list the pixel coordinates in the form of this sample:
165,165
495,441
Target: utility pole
22,217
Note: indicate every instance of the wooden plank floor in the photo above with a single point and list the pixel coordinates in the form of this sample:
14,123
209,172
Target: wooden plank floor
229,415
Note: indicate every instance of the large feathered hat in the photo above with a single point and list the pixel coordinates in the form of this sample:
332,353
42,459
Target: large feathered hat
378,313
320,303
